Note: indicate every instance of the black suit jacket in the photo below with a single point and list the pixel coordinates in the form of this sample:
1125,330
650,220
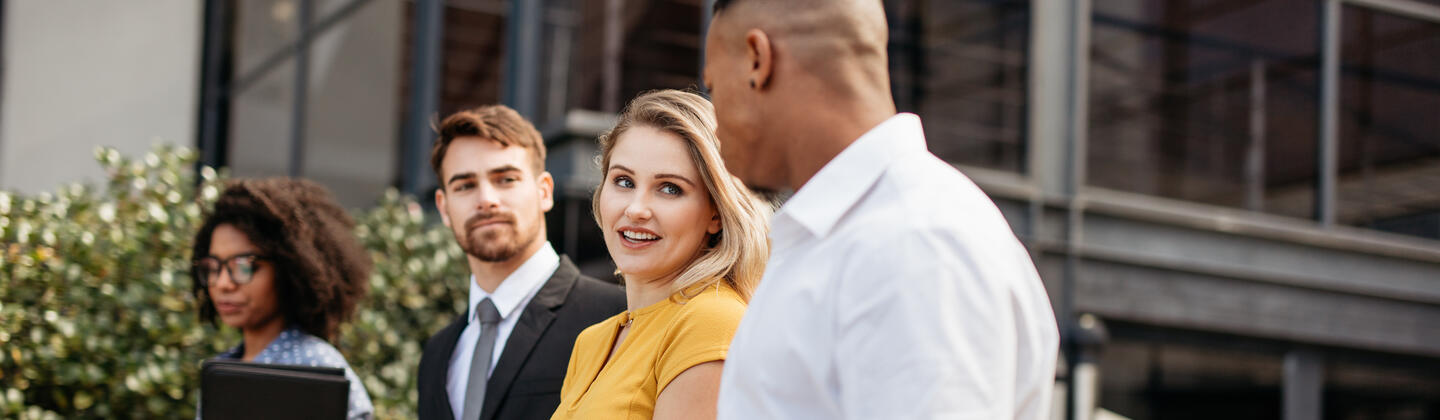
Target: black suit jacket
526,381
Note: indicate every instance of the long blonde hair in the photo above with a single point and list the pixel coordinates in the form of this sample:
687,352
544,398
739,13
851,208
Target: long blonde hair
735,255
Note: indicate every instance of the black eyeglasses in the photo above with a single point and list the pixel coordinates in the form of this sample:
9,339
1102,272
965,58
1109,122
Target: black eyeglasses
241,267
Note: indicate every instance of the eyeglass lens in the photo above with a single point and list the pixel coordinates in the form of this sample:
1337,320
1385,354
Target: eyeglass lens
240,267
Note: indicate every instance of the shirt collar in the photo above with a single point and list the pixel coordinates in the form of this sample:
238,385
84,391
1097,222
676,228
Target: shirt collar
291,332
844,180
519,285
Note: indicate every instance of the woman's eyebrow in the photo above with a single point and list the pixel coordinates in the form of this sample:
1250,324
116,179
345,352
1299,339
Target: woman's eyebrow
674,176
657,176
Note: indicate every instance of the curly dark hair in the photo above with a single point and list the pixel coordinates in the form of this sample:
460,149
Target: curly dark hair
321,270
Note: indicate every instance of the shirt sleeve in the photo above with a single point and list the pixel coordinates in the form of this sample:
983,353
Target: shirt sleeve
922,332
360,407
701,333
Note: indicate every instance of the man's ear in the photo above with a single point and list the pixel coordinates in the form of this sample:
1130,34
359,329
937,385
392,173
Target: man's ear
440,205
546,183
762,61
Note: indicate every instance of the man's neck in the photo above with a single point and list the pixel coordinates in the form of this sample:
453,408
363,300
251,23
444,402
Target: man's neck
853,101
489,275
830,135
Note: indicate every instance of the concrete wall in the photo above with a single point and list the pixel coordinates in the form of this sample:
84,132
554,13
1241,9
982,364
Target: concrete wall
80,74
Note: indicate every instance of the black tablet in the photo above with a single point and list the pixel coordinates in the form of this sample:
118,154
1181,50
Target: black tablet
231,389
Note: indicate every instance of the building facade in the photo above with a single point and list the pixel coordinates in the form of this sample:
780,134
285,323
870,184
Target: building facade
1235,204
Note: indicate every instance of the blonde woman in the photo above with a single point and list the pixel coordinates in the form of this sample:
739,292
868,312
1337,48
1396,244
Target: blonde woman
690,241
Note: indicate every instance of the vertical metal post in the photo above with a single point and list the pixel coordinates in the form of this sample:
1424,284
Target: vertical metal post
1304,380
522,85
1088,338
302,87
707,12
1077,97
215,74
1048,96
1328,150
614,45
425,63
557,90
1055,127
1255,155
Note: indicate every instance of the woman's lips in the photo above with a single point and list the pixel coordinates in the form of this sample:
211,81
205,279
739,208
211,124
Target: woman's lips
228,308
637,238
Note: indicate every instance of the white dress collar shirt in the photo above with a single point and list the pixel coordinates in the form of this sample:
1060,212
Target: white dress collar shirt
895,290
510,298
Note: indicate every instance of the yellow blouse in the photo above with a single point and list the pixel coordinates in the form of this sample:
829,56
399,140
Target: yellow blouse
665,339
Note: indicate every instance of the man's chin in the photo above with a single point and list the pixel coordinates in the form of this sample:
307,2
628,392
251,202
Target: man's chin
496,257
492,232
487,252
497,245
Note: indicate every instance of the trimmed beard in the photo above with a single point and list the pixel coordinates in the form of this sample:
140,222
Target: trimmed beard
490,247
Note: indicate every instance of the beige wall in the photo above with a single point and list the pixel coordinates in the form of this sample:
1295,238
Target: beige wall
80,74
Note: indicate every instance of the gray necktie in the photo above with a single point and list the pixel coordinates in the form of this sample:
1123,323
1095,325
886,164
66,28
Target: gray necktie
480,363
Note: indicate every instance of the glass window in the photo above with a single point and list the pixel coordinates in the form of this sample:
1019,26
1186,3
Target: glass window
1368,386
1208,101
1389,121
473,54
263,28
350,117
658,47
260,122
1166,374
560,39
262,95
961,65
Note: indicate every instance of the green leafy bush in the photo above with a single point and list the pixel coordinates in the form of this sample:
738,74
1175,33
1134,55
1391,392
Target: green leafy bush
97,317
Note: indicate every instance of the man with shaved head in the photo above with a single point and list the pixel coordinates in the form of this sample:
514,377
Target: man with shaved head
895,288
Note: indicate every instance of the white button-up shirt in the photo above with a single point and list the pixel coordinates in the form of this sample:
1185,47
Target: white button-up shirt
510,298
895,290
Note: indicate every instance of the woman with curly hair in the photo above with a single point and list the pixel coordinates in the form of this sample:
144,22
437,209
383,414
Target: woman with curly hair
277,259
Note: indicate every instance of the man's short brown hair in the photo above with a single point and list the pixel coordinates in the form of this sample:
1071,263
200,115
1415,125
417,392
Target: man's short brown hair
496,123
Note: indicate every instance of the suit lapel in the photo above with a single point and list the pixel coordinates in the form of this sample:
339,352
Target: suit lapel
449,337
533,322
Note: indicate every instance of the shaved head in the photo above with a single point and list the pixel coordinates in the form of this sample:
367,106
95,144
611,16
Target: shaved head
794,82
817,33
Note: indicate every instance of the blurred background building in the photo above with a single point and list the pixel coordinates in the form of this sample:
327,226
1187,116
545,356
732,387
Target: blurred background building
1235,204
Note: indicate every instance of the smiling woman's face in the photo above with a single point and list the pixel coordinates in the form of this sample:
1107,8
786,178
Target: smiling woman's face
252,305
654,208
